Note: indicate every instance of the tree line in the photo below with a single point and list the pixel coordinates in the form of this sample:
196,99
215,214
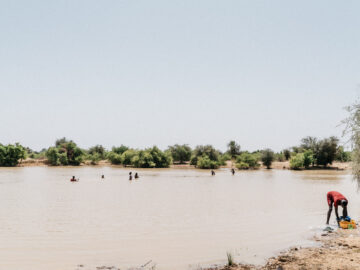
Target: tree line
310,153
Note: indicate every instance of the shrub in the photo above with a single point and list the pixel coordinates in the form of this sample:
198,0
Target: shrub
233,149
287,154
204,162
308,158
10,154
99,150
95,158
247,161
297,161
127,156
242,165
53,156
114,158
267,158
180,153
65,153
207,150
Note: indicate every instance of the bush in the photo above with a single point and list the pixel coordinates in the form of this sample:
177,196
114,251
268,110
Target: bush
114,158
287,154
127,156
97,151
267,158
95,158
65,153
297,161
242,165
180,153
233,149
10,154
308,158
342,156
53,156
247,161
204,162
207,150
120,150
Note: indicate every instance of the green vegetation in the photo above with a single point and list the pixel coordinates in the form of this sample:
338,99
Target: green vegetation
65,153
205,157
247,161
297,161
267,157
230,259
148,158
180,153
233,149
287,154
352,128
310,153
10,154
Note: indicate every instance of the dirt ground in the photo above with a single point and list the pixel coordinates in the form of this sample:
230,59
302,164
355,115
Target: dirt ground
339,250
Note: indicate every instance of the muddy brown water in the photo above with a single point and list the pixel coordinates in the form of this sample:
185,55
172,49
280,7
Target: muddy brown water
178,218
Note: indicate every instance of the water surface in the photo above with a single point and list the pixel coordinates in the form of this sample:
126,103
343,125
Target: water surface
178,218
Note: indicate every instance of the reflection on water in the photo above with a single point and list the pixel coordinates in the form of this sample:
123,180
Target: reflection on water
177,218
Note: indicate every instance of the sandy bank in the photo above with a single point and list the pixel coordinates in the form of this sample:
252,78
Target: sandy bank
338,250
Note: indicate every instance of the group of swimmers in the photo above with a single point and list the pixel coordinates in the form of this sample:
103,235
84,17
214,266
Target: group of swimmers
136,176
232,171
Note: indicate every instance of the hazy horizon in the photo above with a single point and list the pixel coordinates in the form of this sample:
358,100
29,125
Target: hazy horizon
143,73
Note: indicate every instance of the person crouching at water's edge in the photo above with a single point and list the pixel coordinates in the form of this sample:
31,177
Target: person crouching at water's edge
336,198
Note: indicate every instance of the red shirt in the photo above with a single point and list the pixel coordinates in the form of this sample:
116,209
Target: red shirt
335,197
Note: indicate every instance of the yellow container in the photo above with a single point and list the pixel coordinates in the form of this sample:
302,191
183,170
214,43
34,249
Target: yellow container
348,224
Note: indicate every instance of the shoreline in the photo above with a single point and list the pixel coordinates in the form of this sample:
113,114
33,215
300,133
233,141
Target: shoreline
277,165
338,250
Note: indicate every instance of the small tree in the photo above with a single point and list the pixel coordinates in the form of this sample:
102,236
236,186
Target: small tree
297,161
180,153
287,154
10,155
267,158
233,149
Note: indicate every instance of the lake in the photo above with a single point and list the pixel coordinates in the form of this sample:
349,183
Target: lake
178,218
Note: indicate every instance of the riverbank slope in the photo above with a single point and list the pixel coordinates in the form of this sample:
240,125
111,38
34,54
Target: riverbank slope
338,250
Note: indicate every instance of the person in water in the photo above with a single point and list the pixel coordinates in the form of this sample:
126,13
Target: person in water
212,172
335,198
102,176
130,175
73,179
136,176
232,171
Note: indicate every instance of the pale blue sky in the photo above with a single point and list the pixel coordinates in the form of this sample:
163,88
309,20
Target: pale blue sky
139,73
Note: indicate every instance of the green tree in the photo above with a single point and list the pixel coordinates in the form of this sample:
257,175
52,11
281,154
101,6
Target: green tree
247,161
233,149
114,158
201,150
127,156
297,161
99,150
53,156
287,154
180,153
352,129
10,155
119,150
65,153
204,162
342,155
267,158
325,151
308,157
